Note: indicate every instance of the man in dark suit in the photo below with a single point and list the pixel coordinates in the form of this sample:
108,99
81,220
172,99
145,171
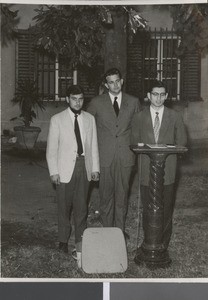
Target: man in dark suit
159,124
113,113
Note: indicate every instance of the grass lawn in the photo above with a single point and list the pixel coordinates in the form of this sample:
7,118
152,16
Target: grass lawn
29,249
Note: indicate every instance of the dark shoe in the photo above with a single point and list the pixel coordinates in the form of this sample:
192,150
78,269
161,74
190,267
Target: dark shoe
126,236
78,257
63,247
74,254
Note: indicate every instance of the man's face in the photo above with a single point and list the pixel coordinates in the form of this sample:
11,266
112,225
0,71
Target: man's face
75,101
114,84
157,97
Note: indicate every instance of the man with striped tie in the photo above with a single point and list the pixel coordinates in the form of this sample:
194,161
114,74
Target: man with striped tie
158,124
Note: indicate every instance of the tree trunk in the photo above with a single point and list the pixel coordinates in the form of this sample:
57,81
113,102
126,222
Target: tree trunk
116,45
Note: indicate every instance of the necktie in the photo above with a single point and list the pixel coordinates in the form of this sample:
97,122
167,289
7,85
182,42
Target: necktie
78,136
156,127
116,107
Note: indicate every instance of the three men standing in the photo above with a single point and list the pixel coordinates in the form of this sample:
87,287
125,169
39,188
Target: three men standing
77,152
113,113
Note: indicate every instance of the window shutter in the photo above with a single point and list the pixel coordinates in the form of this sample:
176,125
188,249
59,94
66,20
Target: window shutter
191,76
25,55
134,79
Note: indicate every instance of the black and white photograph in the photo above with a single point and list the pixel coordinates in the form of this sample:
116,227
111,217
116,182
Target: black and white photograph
104,140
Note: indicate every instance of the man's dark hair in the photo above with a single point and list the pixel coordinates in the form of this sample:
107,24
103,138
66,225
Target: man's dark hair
158,84
74,89
112,71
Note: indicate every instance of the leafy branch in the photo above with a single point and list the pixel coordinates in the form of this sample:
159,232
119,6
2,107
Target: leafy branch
9,22
191,23
78,32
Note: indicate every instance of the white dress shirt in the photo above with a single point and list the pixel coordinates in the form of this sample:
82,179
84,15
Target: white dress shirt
118,99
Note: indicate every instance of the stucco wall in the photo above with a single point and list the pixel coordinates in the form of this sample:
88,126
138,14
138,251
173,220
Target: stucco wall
44,117
8,86
196,114
204,77
196,120
26,14
157,17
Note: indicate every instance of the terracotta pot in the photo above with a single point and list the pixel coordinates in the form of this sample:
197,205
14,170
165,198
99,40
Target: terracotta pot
26,136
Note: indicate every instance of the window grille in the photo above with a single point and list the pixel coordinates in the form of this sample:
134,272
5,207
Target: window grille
53,75
153,55
162,63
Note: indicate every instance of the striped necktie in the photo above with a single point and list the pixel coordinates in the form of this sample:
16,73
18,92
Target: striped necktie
156,127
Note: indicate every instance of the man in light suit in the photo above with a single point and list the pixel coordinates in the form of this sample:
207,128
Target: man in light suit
171,130
113,113
73,161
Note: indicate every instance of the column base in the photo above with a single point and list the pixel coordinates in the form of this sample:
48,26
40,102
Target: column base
153,259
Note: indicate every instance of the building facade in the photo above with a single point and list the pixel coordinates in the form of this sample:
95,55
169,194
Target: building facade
151,54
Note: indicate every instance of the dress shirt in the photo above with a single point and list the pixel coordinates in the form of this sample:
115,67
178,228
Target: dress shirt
81,127
160,114
118,99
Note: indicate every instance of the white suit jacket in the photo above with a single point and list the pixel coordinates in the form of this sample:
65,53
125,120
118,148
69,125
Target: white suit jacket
61,149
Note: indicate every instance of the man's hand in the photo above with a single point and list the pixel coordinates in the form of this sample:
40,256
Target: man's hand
95,176
55,179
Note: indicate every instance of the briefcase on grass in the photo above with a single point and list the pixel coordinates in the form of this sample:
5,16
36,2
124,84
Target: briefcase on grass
104,250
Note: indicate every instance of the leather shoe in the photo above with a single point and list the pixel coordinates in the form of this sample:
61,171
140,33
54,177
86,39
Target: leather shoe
78,257
63,247
126,236
74,254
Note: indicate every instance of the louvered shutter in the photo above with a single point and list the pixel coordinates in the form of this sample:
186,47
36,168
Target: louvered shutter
36,65
191,76
25,55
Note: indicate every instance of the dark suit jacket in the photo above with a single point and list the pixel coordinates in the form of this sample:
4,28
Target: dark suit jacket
114,132
172,131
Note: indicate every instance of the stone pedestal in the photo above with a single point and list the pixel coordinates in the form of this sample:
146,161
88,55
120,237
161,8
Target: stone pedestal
152,251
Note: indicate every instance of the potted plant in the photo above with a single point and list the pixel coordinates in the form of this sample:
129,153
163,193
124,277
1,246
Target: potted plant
29,101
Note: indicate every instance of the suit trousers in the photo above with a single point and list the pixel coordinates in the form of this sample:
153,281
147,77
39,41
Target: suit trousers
168,206
73,196
113,190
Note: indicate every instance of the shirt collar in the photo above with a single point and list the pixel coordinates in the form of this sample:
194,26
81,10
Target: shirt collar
113,97
73,113
160,111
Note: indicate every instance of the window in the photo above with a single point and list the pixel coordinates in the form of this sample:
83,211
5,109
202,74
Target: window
152,55
54,75
161,63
